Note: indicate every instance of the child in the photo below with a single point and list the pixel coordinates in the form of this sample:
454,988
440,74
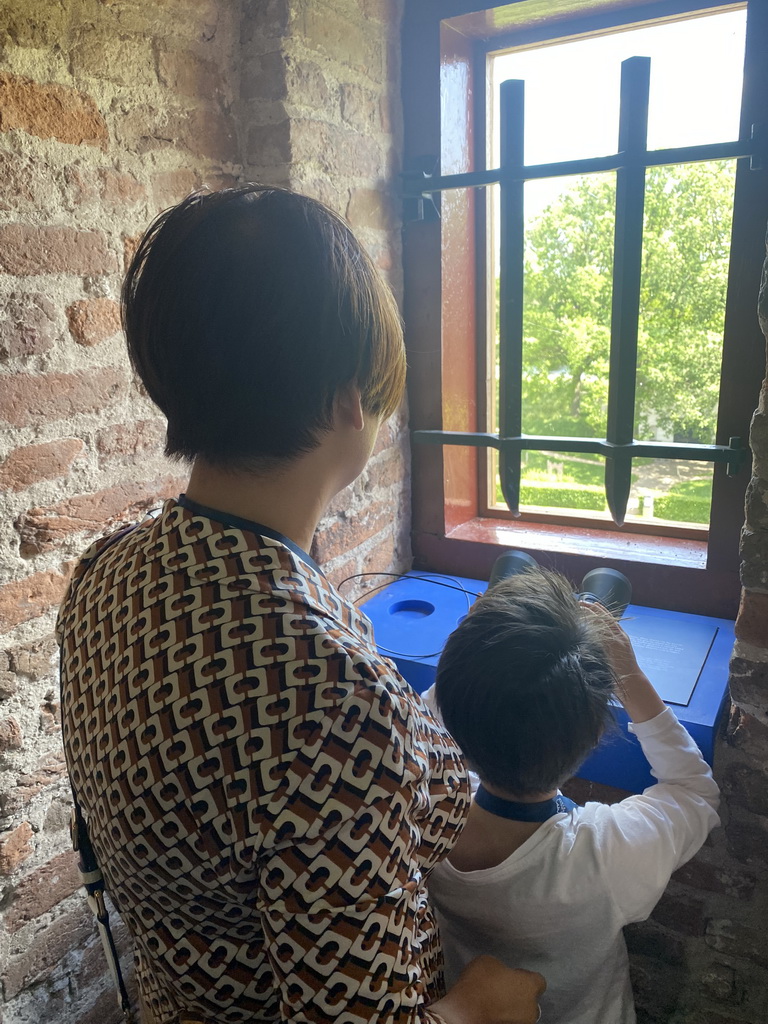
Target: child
524,685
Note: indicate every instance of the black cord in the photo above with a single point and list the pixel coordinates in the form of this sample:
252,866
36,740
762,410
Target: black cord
454,585
406,576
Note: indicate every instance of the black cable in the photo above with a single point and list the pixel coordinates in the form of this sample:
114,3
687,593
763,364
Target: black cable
405,576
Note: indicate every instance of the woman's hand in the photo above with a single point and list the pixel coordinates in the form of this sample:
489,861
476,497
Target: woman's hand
488,992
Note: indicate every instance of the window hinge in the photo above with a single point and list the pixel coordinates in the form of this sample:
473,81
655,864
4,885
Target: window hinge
758,160
418,202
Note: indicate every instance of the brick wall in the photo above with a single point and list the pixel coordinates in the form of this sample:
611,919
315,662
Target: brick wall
109,112
328,123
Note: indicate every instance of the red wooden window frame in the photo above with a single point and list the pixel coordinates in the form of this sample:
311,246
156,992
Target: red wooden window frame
445,45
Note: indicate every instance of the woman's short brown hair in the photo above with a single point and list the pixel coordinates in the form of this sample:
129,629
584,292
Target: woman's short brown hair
245,311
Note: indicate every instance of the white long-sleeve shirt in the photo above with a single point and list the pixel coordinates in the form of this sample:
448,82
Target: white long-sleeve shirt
558,903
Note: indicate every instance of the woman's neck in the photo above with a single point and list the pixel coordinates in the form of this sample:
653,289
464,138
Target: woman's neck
290,500
292,497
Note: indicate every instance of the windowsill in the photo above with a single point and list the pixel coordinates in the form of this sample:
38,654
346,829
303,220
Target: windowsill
666,572
578,540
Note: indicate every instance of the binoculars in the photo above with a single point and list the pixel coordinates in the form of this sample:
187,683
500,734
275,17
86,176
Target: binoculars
609,587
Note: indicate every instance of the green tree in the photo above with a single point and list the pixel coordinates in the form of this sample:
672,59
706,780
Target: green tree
568,305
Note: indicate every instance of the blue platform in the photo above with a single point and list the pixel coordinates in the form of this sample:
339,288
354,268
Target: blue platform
685,656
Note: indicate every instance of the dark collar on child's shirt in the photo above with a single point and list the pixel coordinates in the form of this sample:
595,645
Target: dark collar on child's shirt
516,811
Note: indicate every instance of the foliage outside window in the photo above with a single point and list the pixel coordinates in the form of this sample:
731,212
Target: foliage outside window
567,305
567,333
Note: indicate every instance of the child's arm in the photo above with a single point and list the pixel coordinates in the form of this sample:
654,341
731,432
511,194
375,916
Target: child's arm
645,838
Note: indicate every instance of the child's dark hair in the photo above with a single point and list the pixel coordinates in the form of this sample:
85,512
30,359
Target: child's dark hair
245,312
524,684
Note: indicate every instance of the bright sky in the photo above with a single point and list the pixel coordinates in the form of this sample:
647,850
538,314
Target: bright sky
572,91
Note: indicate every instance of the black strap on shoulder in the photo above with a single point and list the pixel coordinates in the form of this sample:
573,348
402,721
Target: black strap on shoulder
93,883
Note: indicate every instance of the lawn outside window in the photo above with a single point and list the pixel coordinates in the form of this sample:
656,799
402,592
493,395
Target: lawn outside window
699,351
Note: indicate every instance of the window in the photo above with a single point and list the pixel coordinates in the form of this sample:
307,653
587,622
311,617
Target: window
698,293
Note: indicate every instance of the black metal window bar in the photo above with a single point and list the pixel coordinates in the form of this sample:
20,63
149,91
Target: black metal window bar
619,446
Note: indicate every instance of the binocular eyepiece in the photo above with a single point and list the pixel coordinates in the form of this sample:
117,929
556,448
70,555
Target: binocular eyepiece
609,587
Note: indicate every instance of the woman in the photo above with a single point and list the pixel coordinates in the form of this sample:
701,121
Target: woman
264,793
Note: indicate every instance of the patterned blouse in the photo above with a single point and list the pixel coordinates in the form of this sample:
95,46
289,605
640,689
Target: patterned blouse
264,792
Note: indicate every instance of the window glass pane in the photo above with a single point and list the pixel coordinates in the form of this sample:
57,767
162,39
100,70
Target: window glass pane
664,491
572,483
567,306
572,88
696,80
670,491
566,329
686,244
569,228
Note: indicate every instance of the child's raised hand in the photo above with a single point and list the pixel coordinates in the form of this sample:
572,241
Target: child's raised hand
633,688
618,646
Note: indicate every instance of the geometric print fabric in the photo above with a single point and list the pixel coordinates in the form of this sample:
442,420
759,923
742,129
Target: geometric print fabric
265,794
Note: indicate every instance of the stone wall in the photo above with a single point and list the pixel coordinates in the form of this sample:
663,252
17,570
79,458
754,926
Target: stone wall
111,110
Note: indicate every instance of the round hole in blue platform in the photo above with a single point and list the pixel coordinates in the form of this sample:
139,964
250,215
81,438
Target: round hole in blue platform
412,609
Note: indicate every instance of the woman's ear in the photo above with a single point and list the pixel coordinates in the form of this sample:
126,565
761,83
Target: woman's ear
349,407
